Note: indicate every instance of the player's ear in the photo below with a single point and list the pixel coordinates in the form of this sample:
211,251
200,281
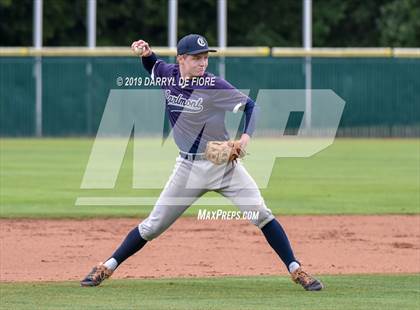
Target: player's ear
181,58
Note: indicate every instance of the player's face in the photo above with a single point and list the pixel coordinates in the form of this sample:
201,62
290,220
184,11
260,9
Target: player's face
194,65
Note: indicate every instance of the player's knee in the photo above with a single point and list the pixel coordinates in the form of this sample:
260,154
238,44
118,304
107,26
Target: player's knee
149,232
264,216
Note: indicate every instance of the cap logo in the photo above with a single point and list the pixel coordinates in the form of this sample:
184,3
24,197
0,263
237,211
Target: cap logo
201,41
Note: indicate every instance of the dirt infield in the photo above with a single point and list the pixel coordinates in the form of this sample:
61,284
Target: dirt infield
56,250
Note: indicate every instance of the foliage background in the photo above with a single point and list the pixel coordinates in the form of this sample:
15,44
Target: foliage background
336,23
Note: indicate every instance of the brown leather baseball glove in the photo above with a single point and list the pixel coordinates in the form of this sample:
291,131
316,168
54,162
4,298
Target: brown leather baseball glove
221,152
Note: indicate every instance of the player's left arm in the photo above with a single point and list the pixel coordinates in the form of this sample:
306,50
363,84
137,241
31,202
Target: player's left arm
250,112
229,98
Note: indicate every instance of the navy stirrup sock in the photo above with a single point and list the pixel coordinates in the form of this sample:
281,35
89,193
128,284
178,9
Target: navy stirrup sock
278,240
131,244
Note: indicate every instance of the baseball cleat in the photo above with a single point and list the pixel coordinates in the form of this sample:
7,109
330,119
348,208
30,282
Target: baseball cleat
308,282
96,276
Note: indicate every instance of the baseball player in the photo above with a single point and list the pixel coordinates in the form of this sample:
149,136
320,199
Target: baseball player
207,161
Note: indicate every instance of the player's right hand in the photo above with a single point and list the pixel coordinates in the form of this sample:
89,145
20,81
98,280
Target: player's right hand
147,51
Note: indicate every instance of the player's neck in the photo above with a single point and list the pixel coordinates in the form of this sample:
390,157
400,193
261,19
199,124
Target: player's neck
184,74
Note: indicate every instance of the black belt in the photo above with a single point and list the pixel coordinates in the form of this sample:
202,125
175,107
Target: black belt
191,156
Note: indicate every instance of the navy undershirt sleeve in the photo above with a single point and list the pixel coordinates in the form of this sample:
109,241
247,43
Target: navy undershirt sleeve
149,62
250,110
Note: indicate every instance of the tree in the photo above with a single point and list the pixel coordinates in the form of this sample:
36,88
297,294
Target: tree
16,23
400,23
336,23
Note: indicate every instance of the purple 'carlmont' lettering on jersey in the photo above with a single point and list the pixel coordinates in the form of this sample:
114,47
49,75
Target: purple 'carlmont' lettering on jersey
197,112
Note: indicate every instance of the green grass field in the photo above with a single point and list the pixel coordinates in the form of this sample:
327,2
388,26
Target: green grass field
343,292
42,178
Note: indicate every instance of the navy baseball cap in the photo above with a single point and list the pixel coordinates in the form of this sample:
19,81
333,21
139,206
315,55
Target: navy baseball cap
193,44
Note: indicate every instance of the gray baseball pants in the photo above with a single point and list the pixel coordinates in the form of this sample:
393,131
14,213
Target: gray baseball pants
192,179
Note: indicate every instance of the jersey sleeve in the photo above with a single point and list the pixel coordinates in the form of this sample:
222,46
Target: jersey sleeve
161,69
227,97
148,62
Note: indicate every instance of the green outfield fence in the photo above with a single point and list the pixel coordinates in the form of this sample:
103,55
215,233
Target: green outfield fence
381,87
